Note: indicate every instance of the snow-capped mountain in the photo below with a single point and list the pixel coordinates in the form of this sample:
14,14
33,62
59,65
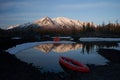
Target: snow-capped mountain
45,21
46,25
20,26
60,22
67,21
13,26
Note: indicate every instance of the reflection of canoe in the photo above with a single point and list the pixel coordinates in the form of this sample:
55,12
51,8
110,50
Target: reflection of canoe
73,65
56,39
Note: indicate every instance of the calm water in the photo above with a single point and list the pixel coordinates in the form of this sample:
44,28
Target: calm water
46,56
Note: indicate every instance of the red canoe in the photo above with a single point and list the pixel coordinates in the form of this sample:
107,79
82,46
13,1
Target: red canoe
73,65
56,39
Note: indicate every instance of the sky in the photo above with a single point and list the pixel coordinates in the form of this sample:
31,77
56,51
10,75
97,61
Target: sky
14,12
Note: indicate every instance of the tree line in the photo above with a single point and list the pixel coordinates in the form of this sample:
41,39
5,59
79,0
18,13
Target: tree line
103,29
87,30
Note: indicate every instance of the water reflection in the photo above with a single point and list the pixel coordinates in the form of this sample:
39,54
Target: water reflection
86,53
59,48
86,47
89,46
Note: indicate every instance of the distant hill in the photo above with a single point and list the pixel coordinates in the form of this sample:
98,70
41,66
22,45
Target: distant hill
65,27
46,25
61,22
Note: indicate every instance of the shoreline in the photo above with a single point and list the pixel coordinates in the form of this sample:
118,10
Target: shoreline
19,47
13,69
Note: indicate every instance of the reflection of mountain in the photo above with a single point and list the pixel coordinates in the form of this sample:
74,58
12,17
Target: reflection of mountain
45,47
58,48
86,47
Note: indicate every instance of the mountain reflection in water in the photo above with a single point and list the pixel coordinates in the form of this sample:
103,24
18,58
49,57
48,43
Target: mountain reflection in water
58,48
86,53
61,48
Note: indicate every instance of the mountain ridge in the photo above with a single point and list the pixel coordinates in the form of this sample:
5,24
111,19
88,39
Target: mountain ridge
46,25
60,22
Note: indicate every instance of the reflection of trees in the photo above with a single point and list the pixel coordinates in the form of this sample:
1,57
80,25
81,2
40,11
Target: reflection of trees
86,46
107,44
89,46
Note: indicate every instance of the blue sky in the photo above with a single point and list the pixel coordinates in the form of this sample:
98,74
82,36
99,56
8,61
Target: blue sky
22,11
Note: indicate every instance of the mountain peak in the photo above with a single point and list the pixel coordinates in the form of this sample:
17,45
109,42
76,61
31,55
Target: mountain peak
45,21
46,18
57,23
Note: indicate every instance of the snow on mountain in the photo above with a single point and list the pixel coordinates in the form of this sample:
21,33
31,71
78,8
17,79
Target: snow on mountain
20,26
61,22
25,25
46,22
55,23
14,26
67,21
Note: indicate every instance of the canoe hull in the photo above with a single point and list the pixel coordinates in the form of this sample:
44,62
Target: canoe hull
73,65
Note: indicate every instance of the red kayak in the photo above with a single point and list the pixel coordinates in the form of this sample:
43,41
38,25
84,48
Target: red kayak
73,65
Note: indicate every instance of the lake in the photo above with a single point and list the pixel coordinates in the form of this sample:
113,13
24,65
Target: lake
46,56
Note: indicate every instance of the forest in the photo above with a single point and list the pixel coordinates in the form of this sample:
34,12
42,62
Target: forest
87,30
